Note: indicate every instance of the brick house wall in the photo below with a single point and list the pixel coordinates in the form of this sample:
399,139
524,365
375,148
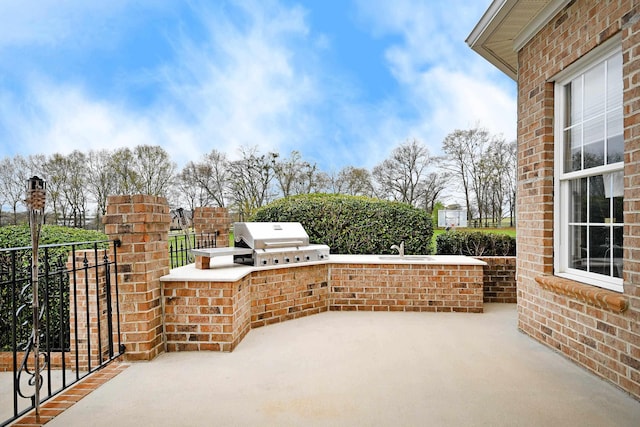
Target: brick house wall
598,329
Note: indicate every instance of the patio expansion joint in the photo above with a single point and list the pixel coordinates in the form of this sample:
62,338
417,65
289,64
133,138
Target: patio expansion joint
69,397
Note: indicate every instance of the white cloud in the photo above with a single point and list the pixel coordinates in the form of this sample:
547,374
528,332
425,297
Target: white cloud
245,86
255,76
63,118
69,22
449,86
241,85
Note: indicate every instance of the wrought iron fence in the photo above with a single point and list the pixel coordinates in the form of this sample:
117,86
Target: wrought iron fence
179,246
79,319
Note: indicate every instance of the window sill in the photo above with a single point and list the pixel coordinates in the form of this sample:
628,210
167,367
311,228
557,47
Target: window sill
593,295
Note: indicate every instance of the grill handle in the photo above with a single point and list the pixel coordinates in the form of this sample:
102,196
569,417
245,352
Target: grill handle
285,243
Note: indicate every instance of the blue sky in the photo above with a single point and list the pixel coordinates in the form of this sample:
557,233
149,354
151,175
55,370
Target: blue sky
341,81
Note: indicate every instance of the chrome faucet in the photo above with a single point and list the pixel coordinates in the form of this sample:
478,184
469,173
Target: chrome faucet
400,248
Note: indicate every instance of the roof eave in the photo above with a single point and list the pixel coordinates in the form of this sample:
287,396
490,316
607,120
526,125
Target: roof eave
490,28
487,25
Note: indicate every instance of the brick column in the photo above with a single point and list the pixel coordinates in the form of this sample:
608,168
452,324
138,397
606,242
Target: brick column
210,220
141,223
88,309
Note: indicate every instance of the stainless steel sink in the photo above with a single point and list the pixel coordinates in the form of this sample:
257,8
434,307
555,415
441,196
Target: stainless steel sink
406,258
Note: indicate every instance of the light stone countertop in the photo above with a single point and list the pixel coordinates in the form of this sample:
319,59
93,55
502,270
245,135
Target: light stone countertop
224,270
407,259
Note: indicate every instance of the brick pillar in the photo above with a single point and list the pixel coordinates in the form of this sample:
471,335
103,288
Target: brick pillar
141,223
88,299
209,221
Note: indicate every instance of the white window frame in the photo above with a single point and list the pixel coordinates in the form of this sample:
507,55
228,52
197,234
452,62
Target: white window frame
562,179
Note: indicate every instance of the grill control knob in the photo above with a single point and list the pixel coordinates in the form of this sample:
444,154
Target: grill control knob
264,261
297,258
307,257
275,261
321,256
286,260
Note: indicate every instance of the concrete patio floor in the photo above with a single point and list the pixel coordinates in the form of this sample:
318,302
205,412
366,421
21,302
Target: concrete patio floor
364,369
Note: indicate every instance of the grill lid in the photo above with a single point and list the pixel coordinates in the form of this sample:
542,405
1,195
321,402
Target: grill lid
266,235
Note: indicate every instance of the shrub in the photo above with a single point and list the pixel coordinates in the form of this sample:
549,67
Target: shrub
475,244
17,236
354,225
56,285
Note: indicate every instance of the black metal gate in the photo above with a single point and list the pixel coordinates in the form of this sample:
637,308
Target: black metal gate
79,320
181,243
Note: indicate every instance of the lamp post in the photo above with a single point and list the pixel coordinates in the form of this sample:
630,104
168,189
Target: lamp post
36,196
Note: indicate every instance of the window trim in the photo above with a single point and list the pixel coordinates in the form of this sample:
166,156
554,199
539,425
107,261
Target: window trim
561,179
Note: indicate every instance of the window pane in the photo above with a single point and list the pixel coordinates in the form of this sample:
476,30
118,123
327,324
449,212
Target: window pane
594,142
615,141
573,149
578,247
578,200
599,250
614,82
574,102
594,92
598,204
617,210
617,251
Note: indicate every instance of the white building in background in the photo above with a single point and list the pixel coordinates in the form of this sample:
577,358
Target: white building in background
452,218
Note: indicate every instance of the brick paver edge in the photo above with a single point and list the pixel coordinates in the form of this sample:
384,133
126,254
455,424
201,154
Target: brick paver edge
66,399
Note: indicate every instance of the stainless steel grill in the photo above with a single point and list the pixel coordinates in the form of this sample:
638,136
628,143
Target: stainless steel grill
269,243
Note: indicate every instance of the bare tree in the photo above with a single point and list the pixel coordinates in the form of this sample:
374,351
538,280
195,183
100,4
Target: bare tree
511,179
484,166
432,187
206,181
353,181
55,173
401,175
101,182
464,149
154,170
14,173
122,165
250,180
311,180
67,177
296,176
74,187
498,172
287,171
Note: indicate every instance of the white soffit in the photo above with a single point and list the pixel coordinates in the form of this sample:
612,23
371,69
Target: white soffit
506,26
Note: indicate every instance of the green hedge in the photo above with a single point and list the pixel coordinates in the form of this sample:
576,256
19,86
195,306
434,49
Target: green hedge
57,284
16,236
354,225
475,243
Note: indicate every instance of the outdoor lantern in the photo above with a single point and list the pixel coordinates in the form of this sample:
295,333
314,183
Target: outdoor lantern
36,197
36,194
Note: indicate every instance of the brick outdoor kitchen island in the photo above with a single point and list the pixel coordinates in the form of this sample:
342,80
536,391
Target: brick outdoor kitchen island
214,308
